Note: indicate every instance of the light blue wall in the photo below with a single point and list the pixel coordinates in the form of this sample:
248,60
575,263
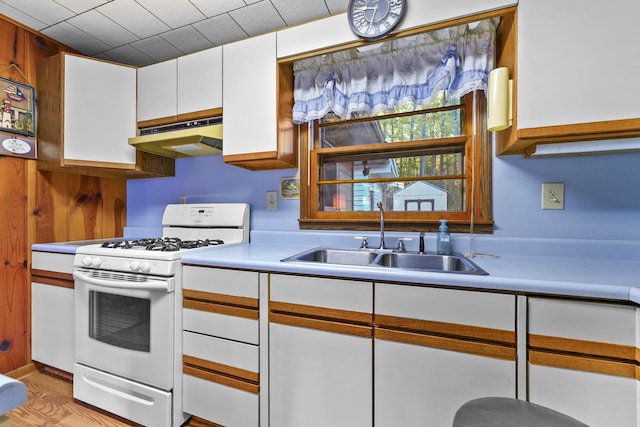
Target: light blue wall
602,195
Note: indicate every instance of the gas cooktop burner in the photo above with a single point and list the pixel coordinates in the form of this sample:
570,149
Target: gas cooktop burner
166,244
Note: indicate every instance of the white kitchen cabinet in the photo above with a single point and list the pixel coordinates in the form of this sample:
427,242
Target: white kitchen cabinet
574,82
320,354
583,360
200,83
436,349
158,92
221,362
86,114
182,89
253,138
52,309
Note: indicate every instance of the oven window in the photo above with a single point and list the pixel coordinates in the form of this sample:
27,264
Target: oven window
118,320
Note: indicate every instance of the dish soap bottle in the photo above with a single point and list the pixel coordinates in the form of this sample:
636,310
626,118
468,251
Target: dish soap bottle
444,239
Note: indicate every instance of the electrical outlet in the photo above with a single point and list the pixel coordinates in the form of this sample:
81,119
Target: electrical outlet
552,195
272,200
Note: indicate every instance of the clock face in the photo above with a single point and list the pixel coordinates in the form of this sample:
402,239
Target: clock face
373,19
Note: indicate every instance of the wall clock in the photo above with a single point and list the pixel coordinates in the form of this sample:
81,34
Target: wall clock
374,19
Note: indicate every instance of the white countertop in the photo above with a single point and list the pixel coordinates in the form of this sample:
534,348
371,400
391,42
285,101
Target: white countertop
592,278
590,269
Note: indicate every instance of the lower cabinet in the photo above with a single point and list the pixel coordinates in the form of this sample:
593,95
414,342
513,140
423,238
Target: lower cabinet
52,311
221,371
320,352
583,360
436,349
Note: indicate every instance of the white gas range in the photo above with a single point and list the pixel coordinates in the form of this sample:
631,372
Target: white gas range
128,296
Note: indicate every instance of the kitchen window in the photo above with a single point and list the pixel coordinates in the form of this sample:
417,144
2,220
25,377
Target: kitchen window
420,147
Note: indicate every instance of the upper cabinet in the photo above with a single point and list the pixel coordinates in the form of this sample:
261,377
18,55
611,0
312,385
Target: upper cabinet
254,138
574,78
182,89
86,113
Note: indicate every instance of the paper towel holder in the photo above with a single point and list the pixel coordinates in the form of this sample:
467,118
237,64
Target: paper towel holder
499,105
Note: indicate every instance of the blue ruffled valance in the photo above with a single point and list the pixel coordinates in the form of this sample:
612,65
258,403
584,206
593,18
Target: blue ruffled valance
377,78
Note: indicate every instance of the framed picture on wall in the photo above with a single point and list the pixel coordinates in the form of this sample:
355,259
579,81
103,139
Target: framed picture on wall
18,119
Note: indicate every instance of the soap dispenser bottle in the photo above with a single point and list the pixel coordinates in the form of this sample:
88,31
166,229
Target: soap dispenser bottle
444,239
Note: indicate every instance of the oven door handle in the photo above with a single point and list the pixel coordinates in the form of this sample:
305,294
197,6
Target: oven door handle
152,285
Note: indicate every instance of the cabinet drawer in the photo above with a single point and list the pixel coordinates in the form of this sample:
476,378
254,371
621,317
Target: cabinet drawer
484,309
221,325
221,281
218,403
232,354
318,292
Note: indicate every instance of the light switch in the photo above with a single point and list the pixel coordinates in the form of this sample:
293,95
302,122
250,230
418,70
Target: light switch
272,200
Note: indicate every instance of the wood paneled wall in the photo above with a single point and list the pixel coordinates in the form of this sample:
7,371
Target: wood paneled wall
40,207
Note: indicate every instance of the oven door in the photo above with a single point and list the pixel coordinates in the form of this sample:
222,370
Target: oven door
124,325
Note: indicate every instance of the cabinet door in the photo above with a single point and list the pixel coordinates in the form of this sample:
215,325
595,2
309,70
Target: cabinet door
320,358
563,59
52,311
200,82
562,63
249,102
99,111
583,360
435,349
158,91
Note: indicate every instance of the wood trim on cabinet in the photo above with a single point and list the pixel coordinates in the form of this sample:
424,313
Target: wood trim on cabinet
592,348
229,305
447,343
222,374
53,278
257,161
321,318
585,363
430,327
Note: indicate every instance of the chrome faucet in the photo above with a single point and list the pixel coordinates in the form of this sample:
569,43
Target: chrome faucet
382,245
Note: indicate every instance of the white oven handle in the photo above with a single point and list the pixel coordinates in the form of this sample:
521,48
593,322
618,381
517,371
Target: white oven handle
152,285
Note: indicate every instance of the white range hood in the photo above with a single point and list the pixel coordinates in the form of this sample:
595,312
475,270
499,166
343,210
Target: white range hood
197,138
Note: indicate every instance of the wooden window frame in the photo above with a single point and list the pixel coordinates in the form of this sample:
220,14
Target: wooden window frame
478,214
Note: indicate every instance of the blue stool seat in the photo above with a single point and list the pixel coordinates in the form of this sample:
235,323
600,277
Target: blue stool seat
12,394
507,412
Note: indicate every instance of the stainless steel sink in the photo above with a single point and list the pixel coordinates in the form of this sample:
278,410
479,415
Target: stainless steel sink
413,261
454,263
335,256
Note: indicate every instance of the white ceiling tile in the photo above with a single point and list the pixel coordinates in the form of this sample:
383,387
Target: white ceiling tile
134,18
174,13
102,28
79,6
157,48
295,12
212,8
220,29
337,6
73,37
22,17
187,39
127,55
47,11
258,18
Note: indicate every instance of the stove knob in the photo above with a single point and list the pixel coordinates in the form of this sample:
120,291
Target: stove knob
135,266
96,261
86,261
145,267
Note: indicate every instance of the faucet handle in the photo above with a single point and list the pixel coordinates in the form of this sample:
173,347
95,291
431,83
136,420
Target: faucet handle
401,246
365,241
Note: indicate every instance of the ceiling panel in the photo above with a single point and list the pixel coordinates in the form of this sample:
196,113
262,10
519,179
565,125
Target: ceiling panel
143,32
102,28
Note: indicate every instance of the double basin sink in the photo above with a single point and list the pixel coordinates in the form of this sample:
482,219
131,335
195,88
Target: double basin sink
454,263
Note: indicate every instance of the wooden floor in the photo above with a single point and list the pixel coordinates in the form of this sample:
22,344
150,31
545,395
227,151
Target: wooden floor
50,403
